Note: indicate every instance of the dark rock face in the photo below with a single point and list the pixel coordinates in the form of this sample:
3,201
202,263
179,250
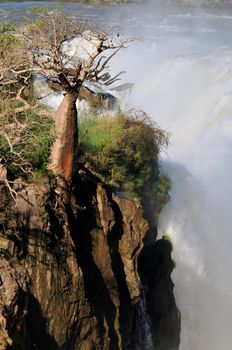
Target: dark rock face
69,269
156,266
14,304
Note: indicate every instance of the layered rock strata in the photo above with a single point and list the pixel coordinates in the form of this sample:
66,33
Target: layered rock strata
69,276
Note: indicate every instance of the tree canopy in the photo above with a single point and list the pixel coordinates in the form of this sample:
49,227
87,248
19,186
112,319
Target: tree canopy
68,50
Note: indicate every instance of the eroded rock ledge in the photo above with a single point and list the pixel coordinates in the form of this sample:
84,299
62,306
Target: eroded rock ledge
69,269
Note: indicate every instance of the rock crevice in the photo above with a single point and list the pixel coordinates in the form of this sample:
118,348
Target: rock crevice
69,267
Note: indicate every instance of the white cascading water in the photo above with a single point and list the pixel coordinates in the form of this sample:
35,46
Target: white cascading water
185,82
143,339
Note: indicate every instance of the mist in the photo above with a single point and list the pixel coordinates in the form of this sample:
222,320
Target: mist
182,72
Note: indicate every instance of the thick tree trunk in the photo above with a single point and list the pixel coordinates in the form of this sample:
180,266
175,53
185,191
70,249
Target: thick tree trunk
63,159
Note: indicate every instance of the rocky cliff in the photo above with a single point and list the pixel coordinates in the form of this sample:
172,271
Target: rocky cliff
71,266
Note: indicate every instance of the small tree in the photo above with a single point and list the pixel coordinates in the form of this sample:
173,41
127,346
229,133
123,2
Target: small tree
67,51
25,132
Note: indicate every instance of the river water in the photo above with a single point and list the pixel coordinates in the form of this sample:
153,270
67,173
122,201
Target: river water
182,70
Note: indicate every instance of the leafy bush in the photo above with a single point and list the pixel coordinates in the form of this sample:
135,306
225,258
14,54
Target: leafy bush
25,142
161,190
25,133
168,239
7,37
121,148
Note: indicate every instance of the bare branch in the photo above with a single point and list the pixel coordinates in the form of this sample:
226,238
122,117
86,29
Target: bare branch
13,193
99,70
114,79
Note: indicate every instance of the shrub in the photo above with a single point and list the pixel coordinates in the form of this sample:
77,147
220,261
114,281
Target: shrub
121,148
168,239
25,142
7,38
161,190
25,133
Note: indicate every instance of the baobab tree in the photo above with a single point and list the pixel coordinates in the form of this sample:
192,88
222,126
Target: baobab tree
67,51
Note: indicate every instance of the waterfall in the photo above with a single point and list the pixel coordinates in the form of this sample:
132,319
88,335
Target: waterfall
183,79
142,334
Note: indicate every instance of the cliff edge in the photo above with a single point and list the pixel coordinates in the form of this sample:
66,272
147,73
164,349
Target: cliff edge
71,266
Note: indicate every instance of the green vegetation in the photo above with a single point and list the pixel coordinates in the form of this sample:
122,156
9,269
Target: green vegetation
25,133
26,142
121,148
7,37
168,239
38,10
169,244
161,190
